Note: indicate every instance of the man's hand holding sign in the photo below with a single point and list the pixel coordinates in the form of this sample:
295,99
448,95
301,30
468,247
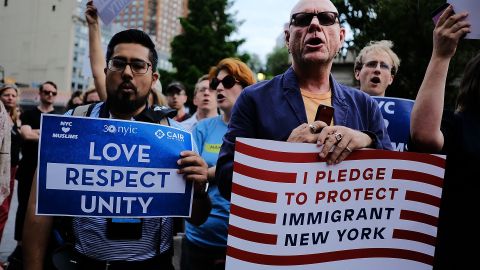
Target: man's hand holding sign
337,141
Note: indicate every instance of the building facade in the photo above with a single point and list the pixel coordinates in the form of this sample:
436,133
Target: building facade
48,39
37,38
158,18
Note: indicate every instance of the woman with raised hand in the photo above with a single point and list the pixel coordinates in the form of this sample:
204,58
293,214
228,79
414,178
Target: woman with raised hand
456,135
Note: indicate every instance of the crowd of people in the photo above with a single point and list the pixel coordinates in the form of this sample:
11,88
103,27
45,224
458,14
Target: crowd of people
230,104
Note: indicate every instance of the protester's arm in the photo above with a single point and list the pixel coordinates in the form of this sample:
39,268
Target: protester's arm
36,232
194,169
223,173
97,59
211,173
201,207
377,129
29,134
427,111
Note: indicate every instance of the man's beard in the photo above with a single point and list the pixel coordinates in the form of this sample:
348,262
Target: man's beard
121,102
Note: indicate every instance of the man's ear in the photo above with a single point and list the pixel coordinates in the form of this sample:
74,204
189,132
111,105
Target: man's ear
154,78
357,74
391,79
343,32
287,38
195,102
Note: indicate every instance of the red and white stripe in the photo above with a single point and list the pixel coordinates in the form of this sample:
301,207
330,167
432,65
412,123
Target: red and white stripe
265,170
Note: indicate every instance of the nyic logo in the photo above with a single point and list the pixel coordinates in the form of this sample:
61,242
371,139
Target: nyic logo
65,127
120,129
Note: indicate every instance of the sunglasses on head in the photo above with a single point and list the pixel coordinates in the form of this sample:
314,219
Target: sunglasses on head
228,82
325,18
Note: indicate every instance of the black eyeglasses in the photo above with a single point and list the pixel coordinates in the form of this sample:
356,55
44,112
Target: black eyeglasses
383,65
137,66
374,64
49,93
325,18
228,82
204,89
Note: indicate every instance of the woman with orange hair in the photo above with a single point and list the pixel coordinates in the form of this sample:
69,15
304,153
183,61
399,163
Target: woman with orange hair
204,247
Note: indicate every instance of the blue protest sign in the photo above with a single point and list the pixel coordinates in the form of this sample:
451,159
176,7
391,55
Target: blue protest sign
396,112
109,9
111,168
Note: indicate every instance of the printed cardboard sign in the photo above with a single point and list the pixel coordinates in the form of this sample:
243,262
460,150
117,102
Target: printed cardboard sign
290,210
111,168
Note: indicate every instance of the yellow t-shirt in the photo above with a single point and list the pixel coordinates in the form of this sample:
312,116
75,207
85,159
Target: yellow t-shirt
312,101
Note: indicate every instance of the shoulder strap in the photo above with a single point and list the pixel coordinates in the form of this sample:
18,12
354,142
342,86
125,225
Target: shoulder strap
84,110
164,121
156,114
159,114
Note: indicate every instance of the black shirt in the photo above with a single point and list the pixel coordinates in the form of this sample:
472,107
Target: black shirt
459,226
15,145
29,147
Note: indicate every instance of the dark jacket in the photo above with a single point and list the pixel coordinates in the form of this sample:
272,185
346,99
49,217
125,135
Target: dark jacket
272,109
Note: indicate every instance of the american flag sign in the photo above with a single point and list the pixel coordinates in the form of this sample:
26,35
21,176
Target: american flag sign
290,210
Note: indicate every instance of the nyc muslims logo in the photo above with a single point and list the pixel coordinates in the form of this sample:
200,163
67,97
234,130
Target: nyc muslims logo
65,127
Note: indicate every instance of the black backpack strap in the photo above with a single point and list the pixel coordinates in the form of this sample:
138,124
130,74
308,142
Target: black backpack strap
157,114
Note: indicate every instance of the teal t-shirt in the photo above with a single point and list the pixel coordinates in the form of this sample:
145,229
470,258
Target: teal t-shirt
208,135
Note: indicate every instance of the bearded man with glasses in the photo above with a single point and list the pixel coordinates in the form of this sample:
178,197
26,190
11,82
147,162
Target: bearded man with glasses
101,243
284,108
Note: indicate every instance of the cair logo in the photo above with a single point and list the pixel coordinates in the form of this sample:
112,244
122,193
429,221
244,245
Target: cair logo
160,134
65,127
175,136
170,135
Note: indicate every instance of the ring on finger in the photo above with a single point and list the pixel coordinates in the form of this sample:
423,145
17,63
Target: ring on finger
338,136
348,149
313,128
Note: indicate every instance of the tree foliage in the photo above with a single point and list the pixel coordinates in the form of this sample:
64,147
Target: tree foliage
255,63
277,61
409,25
204,41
